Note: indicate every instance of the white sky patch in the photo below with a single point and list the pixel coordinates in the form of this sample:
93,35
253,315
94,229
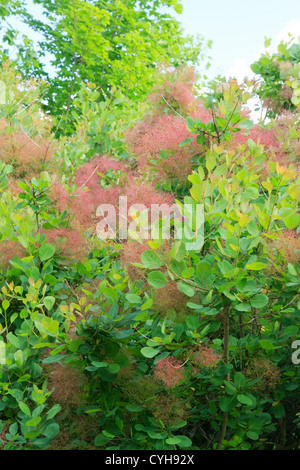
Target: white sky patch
291,30
239,69
292,27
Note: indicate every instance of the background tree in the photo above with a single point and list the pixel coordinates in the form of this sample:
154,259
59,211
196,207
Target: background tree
109,43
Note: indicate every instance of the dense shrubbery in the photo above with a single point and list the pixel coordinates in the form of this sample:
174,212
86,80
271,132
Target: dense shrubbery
144,344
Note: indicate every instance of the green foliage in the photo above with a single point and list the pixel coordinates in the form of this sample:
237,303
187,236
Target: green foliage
100,127
193,353
231,274
109,44
278,86
226,117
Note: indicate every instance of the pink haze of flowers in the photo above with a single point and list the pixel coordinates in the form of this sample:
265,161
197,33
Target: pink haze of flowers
206,356
23,151
90,194
88,174
169,372
69,243
266,137
177,89
164,132
158,131
288,246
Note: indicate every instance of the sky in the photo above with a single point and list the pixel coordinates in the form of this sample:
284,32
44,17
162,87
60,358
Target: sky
238,29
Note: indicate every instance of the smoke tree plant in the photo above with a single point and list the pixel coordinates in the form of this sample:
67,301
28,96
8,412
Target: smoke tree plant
229,279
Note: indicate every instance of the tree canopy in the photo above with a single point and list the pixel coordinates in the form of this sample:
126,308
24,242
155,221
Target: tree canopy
112,44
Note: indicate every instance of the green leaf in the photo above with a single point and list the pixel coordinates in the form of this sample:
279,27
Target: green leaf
195,306
227,403
230,388
151,260
13,317
184,441
113,368
252,435
239,379
156,434
53,411
46,251
186,288
47,326
25,408
134,408
266,344
24,186
147,304
291,330
5,304
210,161
225,266
173,441
99,365
2,90
244,399
119,423
193,322
18,357
133,298
177,251
32,434
24,378
190,124
187,273
74,345
292,221
197,192
292,270
177,425
34,421
101,440
49,301
157,279
257,266
295,100
279,410
246,124
93,410
14,340
37,395
186,141
243,307
203,271
124,333
13,429
52,359
259,301
149,352
51,430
